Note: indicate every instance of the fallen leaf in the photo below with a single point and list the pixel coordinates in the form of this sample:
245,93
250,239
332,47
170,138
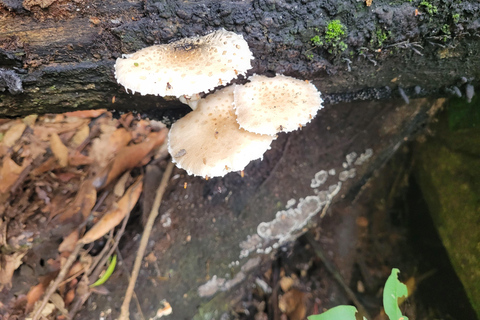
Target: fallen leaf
78,159
105,147
80,136
292,303
60,151
37,291
47,165
33,295
13,134
81,206
286,283
113,217
69,242
140,130
9,173
8,264
119,188
57,300
69,296
66,176
86,113
129,157
30,119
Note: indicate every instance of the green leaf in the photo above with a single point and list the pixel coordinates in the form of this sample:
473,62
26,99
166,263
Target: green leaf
393,290
337,313
107,274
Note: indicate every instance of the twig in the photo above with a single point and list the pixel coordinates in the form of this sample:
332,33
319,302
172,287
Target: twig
137,302
54,285
336,275
124,315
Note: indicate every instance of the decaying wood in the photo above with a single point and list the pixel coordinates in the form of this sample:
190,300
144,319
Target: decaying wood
58,56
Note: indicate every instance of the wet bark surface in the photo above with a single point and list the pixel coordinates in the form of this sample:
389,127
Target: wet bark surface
57,56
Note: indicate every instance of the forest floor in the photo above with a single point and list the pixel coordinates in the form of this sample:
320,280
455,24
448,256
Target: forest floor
62,174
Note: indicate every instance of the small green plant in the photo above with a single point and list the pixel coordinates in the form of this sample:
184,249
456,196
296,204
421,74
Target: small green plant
392,291
430,8
333,40
379,37
456,17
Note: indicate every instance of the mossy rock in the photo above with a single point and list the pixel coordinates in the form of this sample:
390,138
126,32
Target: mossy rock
448,172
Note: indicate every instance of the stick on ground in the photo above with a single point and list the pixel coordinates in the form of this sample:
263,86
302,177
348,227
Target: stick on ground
125,313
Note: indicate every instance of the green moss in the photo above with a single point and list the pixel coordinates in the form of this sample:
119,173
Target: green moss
379,37
429,8
333,39
335,32
456,17
448,171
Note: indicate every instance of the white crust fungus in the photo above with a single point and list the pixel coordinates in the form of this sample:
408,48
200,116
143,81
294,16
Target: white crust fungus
209,142
271,105
185,67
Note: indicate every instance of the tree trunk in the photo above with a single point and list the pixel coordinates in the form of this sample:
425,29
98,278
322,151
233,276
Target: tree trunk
58,55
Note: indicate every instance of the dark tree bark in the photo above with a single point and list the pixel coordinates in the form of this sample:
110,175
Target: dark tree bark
63,51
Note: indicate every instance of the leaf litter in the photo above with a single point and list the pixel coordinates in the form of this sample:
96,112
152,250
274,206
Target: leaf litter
66,180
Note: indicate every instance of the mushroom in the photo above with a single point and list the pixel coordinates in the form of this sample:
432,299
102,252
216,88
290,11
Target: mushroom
271,105
208,142
185,67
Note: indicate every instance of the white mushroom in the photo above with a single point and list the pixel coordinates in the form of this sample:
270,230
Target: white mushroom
209,142
271,105
185,67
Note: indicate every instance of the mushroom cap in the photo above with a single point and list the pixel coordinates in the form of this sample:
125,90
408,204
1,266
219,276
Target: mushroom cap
209,142
185,67
271,105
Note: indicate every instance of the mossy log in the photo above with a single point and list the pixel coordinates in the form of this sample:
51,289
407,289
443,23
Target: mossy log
59,54
448,170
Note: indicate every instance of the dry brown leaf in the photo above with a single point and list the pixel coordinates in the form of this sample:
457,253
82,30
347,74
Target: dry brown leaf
47,165
69,296
108,144
75,269
119,188
80,136
69,242
292,303
9,172
13,134
81,206
33,295
60,151
129,157
57,300
78,159
140,130
8,264
30,119
112,218
86,113
66,176
44,130
286,283
126,119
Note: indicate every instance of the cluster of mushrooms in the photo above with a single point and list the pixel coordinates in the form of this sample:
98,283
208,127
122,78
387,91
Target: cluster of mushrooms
232,126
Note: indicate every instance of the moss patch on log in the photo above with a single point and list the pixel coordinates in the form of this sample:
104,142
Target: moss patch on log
448,171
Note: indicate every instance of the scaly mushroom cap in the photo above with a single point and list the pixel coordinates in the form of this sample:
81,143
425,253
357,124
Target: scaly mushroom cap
185,67
271,105
209,142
